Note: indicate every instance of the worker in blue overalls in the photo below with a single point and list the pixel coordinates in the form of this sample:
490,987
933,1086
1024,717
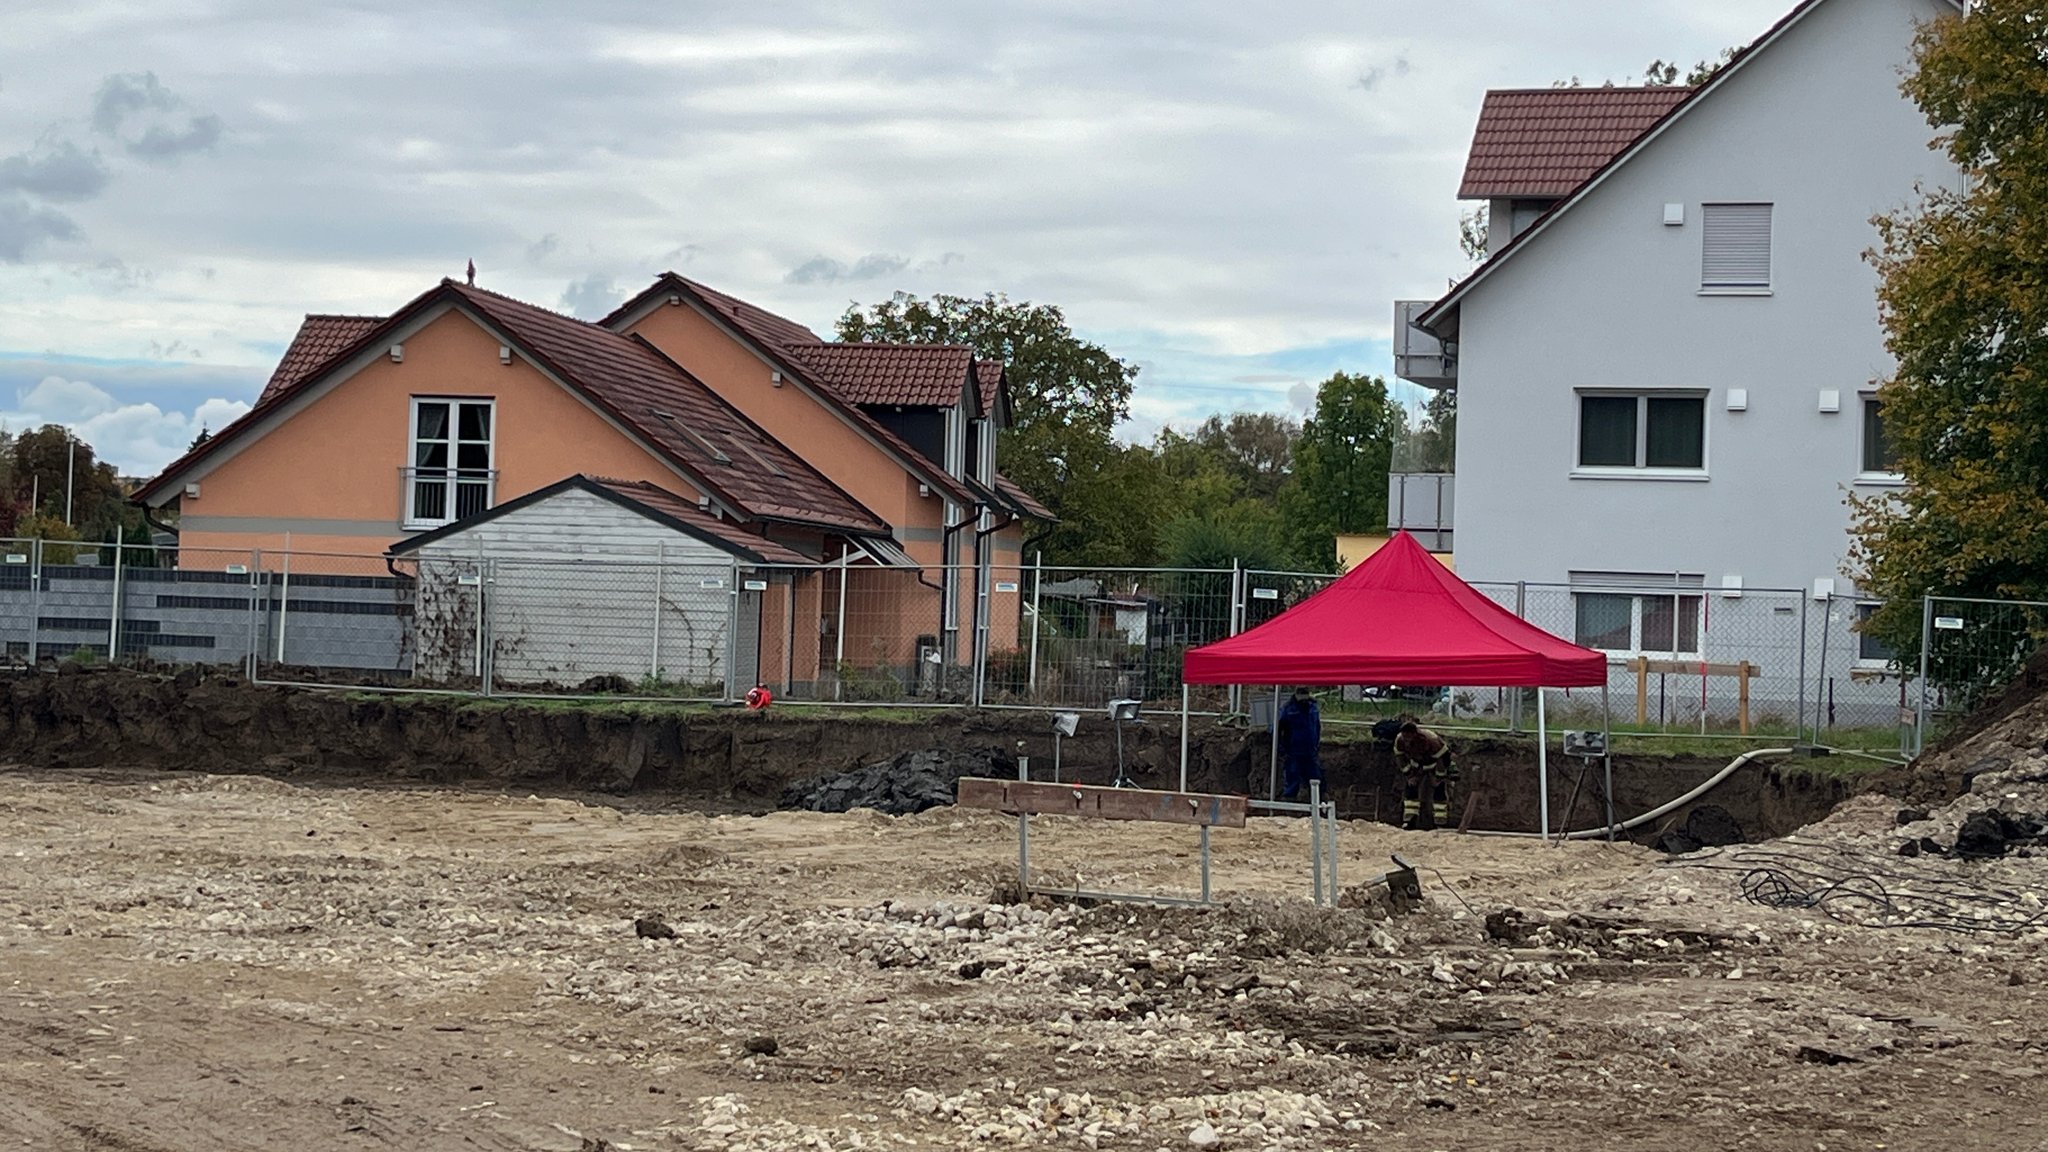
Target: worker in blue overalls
1301,743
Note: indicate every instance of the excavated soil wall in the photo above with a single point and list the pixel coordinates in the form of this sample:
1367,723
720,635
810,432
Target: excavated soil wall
733,760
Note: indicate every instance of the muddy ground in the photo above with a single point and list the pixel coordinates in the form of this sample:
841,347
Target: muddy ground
235,962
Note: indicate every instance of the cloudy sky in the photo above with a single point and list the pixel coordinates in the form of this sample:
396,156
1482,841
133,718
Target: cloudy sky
1229,195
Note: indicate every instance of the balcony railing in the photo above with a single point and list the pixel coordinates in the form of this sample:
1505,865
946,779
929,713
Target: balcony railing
431,497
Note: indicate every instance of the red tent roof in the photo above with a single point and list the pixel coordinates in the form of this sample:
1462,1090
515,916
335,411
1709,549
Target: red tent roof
1399,618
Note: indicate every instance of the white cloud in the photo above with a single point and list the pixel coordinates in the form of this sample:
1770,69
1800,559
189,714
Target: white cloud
137,438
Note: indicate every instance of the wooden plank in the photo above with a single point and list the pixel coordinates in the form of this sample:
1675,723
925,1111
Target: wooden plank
1033,798
1689,667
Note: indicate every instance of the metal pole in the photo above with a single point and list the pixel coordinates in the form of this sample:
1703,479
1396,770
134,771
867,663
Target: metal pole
1205,863
732,632
1037,581
660,574
284,600
1273,769
1542,766
1184,737
839,642
70,471
1926,641
1521,613
114,613
1315,836
255,575
1606,756
1799,689
1820,678
789,638
35,602
1023,839
1333,853
1236,623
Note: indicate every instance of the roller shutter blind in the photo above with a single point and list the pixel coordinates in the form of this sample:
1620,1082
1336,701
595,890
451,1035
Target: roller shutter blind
1737,246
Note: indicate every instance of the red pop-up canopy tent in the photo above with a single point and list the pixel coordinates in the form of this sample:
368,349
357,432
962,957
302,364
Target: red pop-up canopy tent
1402,618
1398,618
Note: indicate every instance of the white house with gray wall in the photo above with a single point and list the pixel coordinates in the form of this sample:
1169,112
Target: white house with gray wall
1667,367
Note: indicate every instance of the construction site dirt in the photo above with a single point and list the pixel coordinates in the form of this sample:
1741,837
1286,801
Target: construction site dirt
229,961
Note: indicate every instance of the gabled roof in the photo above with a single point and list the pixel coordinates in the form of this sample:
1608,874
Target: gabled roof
652,501
676,411
990,377
1545,142
775,339
1440,318
318,339
686,423
916,375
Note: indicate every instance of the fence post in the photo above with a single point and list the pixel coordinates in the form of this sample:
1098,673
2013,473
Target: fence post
732,630
284,597
114,612
35,602
1037,623
1800,733
1236,623
1926,642
1521,613
660,551
1827,621
255,577
486,672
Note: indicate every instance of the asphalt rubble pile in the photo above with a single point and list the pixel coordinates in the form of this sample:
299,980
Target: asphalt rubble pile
902,785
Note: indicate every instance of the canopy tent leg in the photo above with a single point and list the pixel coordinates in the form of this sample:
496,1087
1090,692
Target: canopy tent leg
1184,749
1273,767
1607,757
1542,767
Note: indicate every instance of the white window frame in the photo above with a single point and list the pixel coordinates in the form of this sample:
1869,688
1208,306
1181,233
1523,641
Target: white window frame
450,482
1636,597
1862,609
1642,397
1741,288
1864,476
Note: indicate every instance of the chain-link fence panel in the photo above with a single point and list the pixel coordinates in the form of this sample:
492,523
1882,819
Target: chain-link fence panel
865,633
187,606
653,628
449,648
1105,634
20,600
1972,649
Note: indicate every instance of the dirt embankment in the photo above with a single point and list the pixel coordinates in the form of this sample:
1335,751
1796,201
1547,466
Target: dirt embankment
731,760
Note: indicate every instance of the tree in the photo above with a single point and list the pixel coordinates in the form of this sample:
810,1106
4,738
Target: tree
1963,298
1256,448
1472,233
44,461
1068,394
1341,464
1432,445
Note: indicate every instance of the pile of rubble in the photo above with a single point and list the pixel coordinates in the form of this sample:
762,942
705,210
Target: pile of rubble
900,786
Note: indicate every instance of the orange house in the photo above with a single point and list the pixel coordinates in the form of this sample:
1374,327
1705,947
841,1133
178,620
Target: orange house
874,463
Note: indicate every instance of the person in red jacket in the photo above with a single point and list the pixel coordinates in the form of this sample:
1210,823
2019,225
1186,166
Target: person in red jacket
759,697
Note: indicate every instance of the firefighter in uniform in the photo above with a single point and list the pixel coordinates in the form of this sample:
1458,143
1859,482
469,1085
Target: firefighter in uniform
1425,760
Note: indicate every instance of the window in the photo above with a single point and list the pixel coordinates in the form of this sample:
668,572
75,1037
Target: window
451,474
1736,247
1650,623
1642,431
1870,650
1877,451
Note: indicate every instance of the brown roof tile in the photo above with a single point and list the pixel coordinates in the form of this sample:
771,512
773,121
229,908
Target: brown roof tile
923,375
1545,142
755,321
318,339
988,377
667,503
675,411
1023,499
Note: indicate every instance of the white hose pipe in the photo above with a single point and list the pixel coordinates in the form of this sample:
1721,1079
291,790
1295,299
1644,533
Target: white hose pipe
1707,786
